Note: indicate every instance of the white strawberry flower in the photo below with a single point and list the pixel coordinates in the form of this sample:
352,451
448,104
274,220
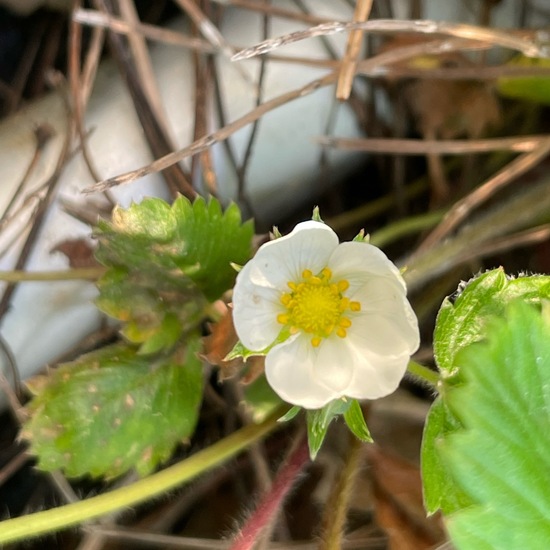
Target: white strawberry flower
338,312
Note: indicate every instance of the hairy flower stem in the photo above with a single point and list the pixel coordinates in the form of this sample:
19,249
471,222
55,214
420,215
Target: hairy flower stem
49,521
271,503
423,374
334,522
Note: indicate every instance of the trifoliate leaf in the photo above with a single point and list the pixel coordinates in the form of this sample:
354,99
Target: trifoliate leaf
318,422
113,410
156,304
207,240
459,324
165,262
440,490
355,421
501,458
530,88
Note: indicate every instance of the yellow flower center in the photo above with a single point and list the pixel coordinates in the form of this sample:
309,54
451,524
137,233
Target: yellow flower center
317,305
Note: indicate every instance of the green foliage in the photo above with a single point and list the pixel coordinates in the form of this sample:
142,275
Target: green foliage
501,456
459,324
165,262
462,323
440,490
113,410
127,406
530,88
355,421
318,422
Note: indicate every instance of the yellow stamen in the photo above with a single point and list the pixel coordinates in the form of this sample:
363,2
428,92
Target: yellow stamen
343,285
316,305
283,318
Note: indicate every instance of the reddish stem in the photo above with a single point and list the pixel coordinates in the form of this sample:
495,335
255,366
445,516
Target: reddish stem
271,502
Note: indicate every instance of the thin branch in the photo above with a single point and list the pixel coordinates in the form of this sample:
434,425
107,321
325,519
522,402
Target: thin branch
144,66
20,276
527,46
210,32
39,216
353,49
217,136
274,11
95,18
519,144
463,208
336,513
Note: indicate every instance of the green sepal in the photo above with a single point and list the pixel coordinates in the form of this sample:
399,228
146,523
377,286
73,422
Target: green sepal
361,237
355,421
316,215
318,422
113,410
291,414
275,233
240,350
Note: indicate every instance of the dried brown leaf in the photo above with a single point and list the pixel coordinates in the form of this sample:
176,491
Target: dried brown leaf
79,252
398,503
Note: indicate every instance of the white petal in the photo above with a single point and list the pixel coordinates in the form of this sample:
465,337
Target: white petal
376,377
386,324
289,368
255,310
357,262
334,364
308,246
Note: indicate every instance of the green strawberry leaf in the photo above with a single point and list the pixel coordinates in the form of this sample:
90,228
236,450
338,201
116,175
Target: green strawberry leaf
165,262
460,323
207,241
440,490
113,410
501,456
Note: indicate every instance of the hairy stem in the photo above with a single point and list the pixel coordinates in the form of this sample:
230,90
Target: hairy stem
336,512
270,504
426,375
